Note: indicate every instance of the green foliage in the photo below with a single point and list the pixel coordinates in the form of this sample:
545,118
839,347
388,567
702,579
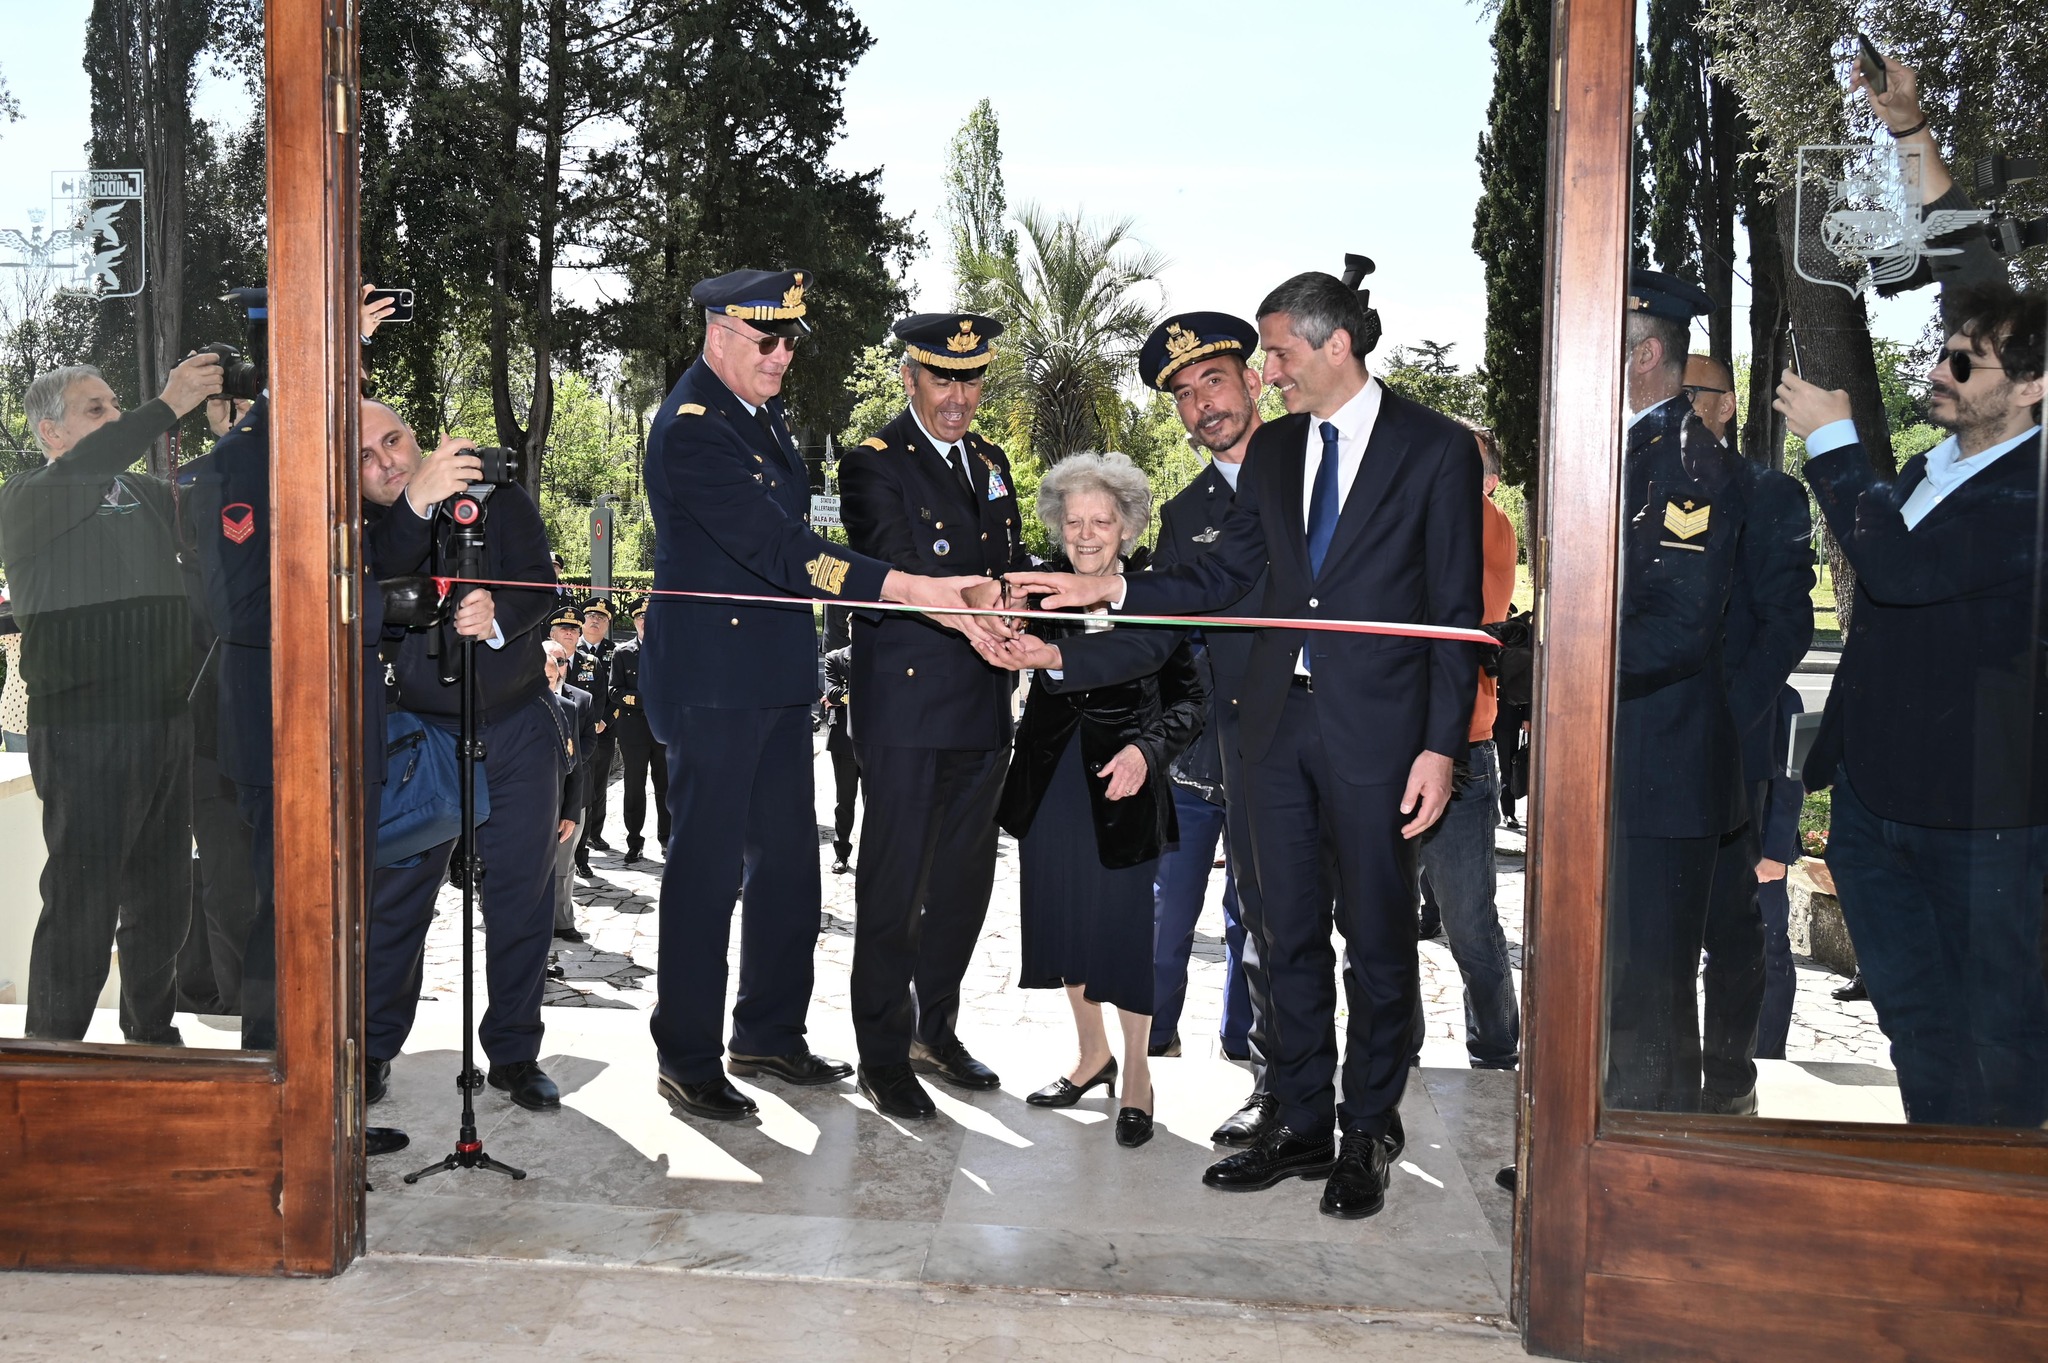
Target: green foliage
976,205
876,387
1079,304
1675,128
1508,229
1813,823
1426,374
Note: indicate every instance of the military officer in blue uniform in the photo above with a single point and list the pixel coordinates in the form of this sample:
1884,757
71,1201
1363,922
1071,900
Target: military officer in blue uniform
593,673
639,754
728,687
932,734
1678,753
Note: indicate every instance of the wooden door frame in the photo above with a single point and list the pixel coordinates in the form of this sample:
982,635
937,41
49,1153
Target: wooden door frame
1655,1236
165,1160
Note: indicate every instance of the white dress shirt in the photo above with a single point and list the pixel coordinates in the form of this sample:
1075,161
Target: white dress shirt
1354,422
1947,470
953,456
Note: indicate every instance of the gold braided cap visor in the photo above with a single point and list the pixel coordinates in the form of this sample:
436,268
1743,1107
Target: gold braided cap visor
941,361
1202,352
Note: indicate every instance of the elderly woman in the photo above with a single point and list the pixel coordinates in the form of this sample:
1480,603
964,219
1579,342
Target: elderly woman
1088,796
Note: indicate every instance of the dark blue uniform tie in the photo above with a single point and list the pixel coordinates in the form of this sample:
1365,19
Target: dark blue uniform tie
1323,503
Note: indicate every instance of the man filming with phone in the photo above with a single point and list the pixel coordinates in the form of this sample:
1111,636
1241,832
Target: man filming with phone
526,754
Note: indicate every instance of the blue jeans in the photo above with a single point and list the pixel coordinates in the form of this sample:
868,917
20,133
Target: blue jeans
1457,861
1178,889
1947,927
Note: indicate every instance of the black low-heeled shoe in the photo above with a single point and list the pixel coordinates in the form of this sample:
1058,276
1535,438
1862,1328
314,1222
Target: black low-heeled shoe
1064,1092
1134,1126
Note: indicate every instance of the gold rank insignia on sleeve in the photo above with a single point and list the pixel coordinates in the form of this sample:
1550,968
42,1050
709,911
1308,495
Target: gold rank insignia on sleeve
874,442
828,574
690,409
1687,521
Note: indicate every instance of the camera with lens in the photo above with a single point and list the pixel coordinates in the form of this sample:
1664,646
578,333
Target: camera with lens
245,370
501,466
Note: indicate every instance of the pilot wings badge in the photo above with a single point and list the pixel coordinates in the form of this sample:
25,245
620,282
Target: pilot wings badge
1209,535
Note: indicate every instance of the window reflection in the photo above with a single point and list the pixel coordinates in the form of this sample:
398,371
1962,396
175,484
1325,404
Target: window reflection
1905,739
130,883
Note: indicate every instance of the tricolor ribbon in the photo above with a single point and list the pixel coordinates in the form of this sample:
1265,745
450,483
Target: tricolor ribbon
1448,633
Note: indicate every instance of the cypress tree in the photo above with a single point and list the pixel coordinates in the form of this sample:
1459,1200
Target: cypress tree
1508,230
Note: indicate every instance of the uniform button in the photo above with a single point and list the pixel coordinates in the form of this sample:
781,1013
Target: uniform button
1313,603
735,619
909,671
1233,700
984,534
940,526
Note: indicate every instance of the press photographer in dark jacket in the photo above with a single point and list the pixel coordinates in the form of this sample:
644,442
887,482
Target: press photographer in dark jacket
92,560
525,760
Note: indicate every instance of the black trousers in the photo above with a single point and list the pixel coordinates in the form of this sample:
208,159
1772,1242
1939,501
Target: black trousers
1656,924
1305,806
223,895
1238,850
522,762
1734,976
640,755
927,864
845,790
117,827
259,950
606,749
743,800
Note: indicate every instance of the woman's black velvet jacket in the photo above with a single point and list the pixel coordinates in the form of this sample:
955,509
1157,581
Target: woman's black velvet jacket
1160,712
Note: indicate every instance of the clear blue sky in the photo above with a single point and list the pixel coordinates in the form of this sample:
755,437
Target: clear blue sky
1247,142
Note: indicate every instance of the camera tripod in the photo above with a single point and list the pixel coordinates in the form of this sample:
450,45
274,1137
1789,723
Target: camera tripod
467,511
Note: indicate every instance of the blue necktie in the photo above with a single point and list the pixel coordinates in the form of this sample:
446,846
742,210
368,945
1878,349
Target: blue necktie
1323,503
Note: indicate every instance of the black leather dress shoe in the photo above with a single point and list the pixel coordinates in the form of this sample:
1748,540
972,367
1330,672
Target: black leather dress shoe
1258,1115
376,1081
1169,1050
1358,1185
895,1092
1277,1156
568,935
384,1140
583,871
1133,1126
1852,992
599,843
1505,1177
840,866
1729,1104
950,1061
1396,1139
632,854
715,1098
527,1085
1064,1092
798,1067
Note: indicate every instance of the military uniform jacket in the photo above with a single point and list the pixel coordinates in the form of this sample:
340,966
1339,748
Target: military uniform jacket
730,501
627,718
577,725
1770,611
921,685
590,671
1678,758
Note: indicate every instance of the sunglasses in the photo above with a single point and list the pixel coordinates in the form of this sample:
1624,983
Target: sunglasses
767,344
1961,363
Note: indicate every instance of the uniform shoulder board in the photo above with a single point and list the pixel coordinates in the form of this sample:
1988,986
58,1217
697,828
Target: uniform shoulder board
690,409
874,442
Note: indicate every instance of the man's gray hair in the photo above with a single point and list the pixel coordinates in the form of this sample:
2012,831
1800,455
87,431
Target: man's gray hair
44,400
1318,305
553,649
1125,483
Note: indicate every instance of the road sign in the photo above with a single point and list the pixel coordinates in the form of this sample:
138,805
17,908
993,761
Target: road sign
824,512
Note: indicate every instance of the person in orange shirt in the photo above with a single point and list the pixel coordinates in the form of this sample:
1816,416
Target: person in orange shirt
1457,855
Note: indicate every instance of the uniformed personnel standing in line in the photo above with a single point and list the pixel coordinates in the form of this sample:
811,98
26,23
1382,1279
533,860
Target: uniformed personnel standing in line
1678,756
640,754
729,686
932,733
593,673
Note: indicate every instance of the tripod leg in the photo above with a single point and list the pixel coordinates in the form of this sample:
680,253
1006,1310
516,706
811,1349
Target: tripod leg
486,1162
440,1166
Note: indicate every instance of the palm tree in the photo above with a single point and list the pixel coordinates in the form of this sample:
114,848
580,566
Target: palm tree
1078,310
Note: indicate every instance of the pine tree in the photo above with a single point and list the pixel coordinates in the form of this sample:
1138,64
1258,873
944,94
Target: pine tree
1508,230
975,209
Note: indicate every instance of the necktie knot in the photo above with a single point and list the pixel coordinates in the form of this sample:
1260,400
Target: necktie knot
1329,429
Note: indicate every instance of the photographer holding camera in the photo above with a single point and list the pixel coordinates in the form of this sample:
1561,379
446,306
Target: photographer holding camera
524,763
91,553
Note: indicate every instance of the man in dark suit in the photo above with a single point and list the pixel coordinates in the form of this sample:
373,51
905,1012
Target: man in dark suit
729,688
592,674
839,747
1935,739
930,496
1366,507
1766,632
638,752
1202,359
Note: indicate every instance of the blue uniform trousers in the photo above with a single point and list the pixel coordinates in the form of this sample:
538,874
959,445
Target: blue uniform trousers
523,763
1301,806
1181,886
743,809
